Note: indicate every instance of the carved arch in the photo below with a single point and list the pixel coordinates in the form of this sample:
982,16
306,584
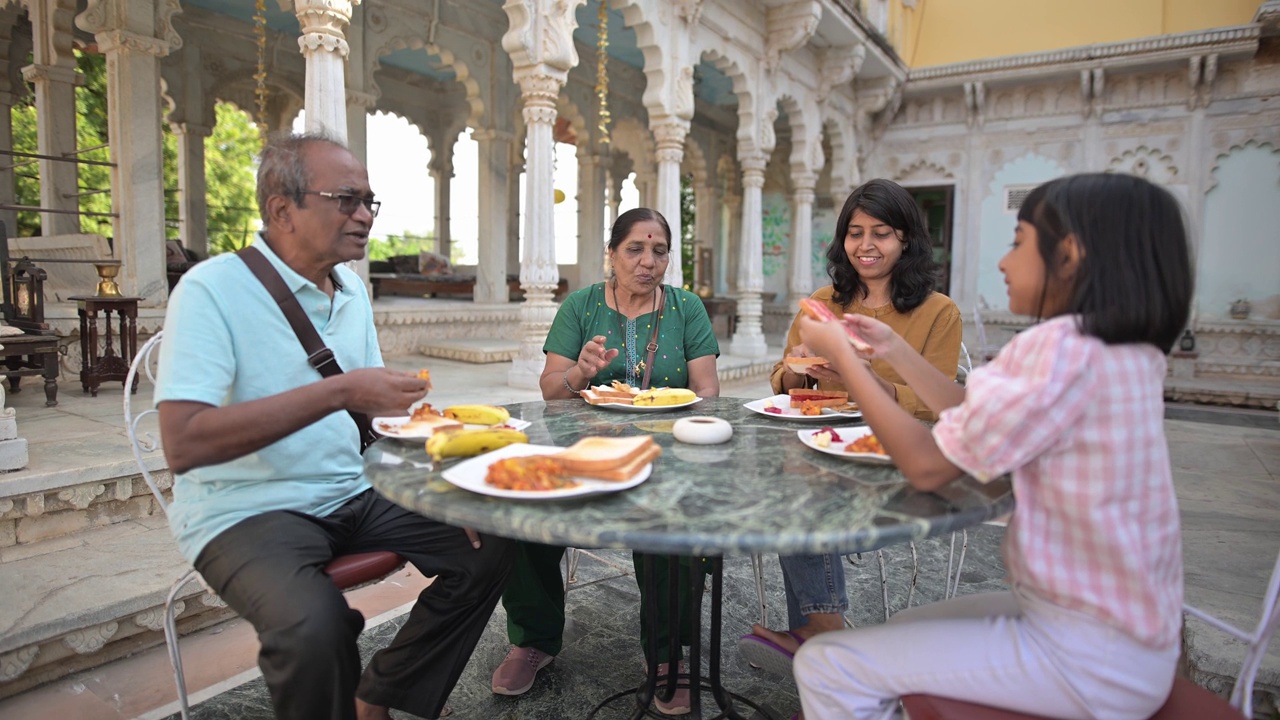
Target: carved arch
922,169
1217,160
629,133
1147,162
694,161
843,161
475,95
750,131
806,135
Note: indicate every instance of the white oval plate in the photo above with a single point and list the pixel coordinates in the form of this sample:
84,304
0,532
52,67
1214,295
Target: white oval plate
783,403
623,407
395,427
847,435
469,475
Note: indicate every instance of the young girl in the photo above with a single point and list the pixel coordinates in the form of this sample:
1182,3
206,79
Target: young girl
1073,408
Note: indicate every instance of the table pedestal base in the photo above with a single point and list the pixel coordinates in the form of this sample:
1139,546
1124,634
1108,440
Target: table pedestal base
663,687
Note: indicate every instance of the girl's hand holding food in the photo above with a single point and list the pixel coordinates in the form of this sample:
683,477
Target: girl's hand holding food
879,337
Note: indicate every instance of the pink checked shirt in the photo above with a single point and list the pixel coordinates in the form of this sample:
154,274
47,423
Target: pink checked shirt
1080,424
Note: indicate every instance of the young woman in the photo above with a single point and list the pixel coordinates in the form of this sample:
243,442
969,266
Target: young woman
1074,409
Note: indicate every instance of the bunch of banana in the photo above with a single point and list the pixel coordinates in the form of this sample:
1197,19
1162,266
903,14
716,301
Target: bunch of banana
466,443
477,414
665,396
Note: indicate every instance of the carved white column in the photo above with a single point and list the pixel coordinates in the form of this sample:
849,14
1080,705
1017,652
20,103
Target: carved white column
670,133
358,106
705,221
53,74
730,242
493,201
801,279
134,37
591,201
748,338
324,46
538,272
8,190
441,169
193,209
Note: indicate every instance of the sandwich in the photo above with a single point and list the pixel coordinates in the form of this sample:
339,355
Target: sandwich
798,365
608,458
817,398
822,313
602,394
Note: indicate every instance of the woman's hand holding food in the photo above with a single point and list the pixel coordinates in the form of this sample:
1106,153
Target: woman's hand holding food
594,357
880,337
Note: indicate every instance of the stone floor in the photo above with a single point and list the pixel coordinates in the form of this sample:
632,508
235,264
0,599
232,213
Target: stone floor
1227,472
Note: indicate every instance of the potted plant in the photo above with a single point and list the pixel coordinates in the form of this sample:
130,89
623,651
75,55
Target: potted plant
1240,309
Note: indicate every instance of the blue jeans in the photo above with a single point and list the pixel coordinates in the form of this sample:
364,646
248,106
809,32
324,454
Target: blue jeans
814,584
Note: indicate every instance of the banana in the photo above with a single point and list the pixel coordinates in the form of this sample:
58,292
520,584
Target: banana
477,414
665,396
466,443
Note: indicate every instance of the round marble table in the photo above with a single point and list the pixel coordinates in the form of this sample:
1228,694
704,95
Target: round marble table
763,491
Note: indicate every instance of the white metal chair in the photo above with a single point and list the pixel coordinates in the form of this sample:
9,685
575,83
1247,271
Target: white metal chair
571,558
347,571
1187,701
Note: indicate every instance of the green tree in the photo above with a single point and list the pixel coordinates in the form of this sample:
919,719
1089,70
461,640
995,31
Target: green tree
229,165
688,238
410,243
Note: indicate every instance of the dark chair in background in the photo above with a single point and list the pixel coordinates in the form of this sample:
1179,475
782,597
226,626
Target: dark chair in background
34,351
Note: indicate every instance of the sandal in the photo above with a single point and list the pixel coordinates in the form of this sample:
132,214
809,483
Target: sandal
768,655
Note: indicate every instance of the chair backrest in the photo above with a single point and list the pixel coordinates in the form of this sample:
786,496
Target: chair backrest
965,366
144,442
1256,648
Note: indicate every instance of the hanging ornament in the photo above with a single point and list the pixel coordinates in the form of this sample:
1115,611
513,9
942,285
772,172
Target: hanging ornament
602,72
260,77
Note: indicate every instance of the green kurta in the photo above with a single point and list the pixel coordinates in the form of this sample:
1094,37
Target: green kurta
534,598
684,334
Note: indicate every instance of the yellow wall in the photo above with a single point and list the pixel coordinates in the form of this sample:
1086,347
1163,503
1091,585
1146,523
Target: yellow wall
938,32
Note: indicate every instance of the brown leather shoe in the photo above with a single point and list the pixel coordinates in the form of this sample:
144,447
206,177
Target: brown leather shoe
516,673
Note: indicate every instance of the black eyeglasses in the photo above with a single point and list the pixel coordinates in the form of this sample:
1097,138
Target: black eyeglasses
348,204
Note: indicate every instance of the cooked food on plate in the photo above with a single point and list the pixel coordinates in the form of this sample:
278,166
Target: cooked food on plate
596,458
817,398
425,417
866,444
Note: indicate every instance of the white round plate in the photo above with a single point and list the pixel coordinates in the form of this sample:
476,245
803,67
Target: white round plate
469,475
395,427
783,403
837,447
623,407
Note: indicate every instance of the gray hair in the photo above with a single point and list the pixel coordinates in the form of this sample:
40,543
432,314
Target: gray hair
282,171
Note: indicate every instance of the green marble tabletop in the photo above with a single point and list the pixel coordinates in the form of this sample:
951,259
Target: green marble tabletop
763,491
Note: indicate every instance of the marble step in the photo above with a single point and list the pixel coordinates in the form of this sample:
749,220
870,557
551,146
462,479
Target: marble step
85,599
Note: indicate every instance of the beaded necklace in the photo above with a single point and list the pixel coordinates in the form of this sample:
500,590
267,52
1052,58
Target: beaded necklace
630,339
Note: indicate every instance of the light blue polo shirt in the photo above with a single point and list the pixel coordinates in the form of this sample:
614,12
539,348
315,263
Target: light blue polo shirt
226,341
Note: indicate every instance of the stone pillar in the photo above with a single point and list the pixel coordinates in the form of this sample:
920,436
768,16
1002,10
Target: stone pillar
591,201
358,106
441,168
494,152
801,280
748,338
193,209
126,34
670,133
8,190
538,273
730,244
706,211
325,48
53,73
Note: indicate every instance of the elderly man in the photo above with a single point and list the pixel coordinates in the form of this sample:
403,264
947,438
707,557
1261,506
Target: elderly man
269,482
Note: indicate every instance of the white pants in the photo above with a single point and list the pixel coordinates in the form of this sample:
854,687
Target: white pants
1008,649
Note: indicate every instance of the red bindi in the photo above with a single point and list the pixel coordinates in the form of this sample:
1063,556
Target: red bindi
650,237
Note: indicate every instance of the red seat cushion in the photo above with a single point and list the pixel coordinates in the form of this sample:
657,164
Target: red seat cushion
351,570
1187,701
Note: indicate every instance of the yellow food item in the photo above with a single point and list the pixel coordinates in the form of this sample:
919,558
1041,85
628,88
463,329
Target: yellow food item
477,414
665,396
466,443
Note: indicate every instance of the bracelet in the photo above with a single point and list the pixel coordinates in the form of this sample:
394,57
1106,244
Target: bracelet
569,387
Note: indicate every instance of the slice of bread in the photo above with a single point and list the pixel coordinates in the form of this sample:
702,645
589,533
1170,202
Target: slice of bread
798,364
592,455
602,394
627,470
819,398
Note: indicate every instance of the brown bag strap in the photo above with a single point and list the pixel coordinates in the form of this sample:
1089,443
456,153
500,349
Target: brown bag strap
652,347
319,356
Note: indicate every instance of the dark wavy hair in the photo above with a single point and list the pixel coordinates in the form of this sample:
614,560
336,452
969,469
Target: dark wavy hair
912,277
1135,280
628,219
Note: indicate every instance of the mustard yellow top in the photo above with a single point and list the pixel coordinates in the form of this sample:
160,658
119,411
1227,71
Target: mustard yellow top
934,329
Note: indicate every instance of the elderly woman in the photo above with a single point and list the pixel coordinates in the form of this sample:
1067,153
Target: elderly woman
881,265
603,333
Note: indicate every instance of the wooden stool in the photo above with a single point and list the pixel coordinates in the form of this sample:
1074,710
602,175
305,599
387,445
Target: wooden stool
108,365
